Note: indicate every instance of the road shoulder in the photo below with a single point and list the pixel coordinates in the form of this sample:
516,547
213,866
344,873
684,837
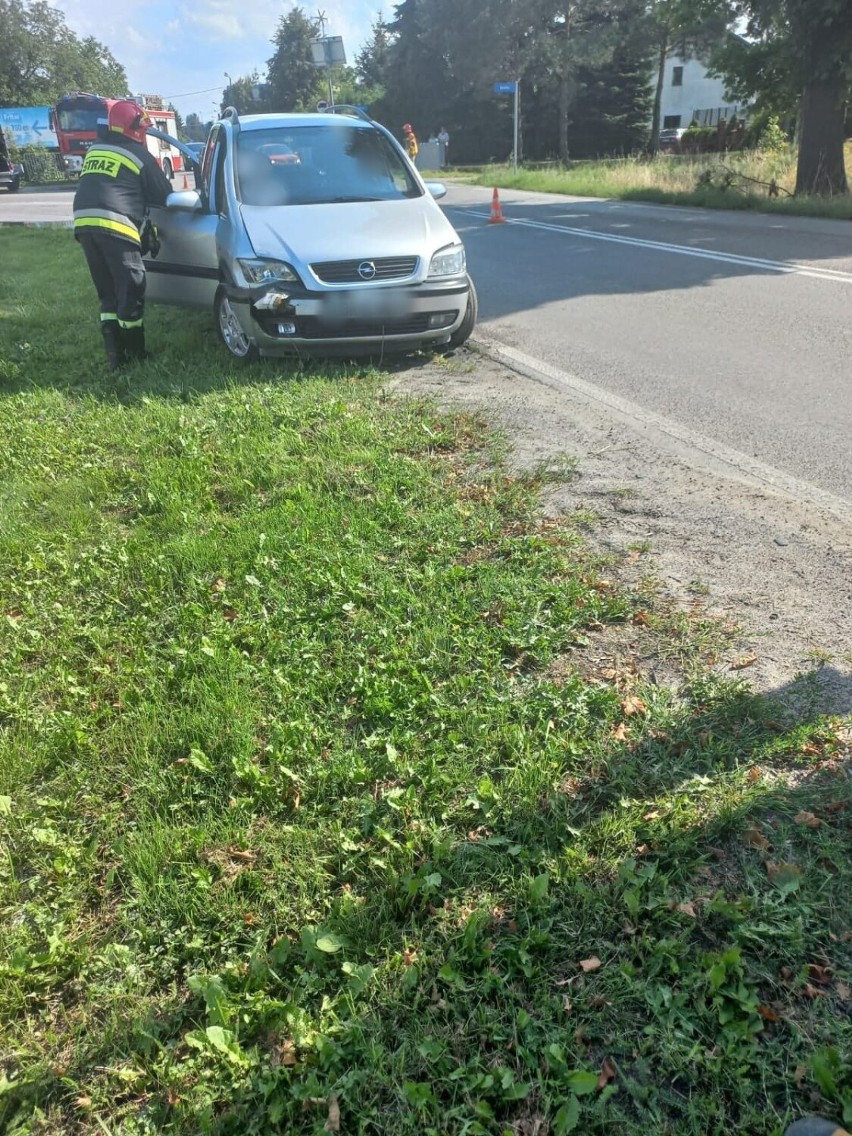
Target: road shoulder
779,569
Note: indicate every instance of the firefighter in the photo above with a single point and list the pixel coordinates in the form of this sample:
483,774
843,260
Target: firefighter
119,182
410,141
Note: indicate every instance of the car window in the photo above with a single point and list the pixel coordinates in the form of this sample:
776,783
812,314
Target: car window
208,159
320,164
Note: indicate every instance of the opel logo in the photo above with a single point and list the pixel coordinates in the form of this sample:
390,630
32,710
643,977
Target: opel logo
366,270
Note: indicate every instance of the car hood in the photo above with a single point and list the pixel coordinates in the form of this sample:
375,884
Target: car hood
309,234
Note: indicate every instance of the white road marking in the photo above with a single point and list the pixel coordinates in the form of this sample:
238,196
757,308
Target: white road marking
746,466
785,267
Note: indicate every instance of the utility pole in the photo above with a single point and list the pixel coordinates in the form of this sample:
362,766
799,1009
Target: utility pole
321,22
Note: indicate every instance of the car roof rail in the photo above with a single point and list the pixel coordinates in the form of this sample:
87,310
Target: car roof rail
230,113
351,110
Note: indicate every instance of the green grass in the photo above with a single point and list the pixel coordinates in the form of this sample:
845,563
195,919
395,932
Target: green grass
311,816
672,181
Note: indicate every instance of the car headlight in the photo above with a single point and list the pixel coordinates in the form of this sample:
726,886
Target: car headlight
266,271
448,261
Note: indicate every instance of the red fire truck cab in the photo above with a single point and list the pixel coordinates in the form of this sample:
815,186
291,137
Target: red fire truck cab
79,119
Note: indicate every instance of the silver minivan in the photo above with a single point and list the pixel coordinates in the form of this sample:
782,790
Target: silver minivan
313,233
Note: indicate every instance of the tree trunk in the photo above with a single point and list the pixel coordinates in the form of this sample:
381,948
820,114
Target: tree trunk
821,169
654,143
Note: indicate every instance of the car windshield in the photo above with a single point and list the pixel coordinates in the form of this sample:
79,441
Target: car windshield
320,165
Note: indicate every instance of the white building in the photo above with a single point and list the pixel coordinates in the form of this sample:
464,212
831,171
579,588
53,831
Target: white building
690,93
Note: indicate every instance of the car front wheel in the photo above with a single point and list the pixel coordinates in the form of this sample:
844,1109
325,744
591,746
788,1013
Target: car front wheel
465,329
167,169
237,343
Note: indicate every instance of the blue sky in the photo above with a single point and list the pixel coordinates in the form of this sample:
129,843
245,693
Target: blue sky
176,48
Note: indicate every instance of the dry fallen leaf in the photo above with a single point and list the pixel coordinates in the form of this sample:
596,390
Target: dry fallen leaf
819,973
567,1004
811,750
333,1122
799,1074
687,909
754,774
654,814
590,964
754,838
743,661
807,818
782,873
409,957
621,733
218,584
83,1102
640,618
811,991
768,1014
633,705
843,991
607,1074
287,1053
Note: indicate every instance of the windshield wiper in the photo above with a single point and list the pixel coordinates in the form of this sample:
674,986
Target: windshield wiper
351,200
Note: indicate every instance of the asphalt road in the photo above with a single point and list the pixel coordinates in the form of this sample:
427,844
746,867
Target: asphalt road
736,326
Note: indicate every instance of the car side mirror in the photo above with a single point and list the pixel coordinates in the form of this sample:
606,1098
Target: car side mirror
188,200
437,189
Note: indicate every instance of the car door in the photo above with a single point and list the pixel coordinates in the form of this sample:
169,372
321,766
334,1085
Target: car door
186,270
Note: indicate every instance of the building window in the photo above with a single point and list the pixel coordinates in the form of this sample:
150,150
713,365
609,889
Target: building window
671,122
677,76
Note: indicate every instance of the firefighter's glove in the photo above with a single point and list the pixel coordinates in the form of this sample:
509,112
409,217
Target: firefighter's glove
149,239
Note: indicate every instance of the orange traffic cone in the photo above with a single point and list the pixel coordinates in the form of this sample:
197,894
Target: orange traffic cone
496,217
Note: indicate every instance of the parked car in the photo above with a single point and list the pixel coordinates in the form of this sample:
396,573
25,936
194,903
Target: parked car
196,148
670,139
10,172
313,233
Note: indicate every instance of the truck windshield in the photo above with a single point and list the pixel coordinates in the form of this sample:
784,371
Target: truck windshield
320,165
84,118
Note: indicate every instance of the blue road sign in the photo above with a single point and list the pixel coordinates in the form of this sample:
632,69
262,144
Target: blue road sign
504,88
28,126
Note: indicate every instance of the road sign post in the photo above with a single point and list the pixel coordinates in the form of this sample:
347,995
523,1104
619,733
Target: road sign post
512,87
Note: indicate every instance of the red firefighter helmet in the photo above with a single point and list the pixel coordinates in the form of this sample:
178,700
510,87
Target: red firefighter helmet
130,119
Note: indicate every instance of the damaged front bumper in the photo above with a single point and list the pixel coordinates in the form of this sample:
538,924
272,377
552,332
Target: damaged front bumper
283,319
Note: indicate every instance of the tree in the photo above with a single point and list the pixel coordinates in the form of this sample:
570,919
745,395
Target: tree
805,45
42,59
195,129
295,82
247,95
371,62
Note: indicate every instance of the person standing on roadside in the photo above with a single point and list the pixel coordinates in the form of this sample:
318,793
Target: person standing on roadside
120,181
410,141
444,141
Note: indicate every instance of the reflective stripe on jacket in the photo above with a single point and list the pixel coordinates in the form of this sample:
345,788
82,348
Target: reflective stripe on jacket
119,181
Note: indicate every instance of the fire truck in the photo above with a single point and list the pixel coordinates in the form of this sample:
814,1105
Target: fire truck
80,119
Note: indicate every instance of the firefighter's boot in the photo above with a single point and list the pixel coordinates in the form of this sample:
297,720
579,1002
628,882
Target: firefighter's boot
112,344
133,340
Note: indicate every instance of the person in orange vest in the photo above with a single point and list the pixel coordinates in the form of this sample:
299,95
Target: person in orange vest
410,141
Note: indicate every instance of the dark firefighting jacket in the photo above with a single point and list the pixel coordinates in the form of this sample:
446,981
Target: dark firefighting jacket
119,182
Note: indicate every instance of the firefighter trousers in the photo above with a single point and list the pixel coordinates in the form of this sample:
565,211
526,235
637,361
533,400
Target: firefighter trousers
118,274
